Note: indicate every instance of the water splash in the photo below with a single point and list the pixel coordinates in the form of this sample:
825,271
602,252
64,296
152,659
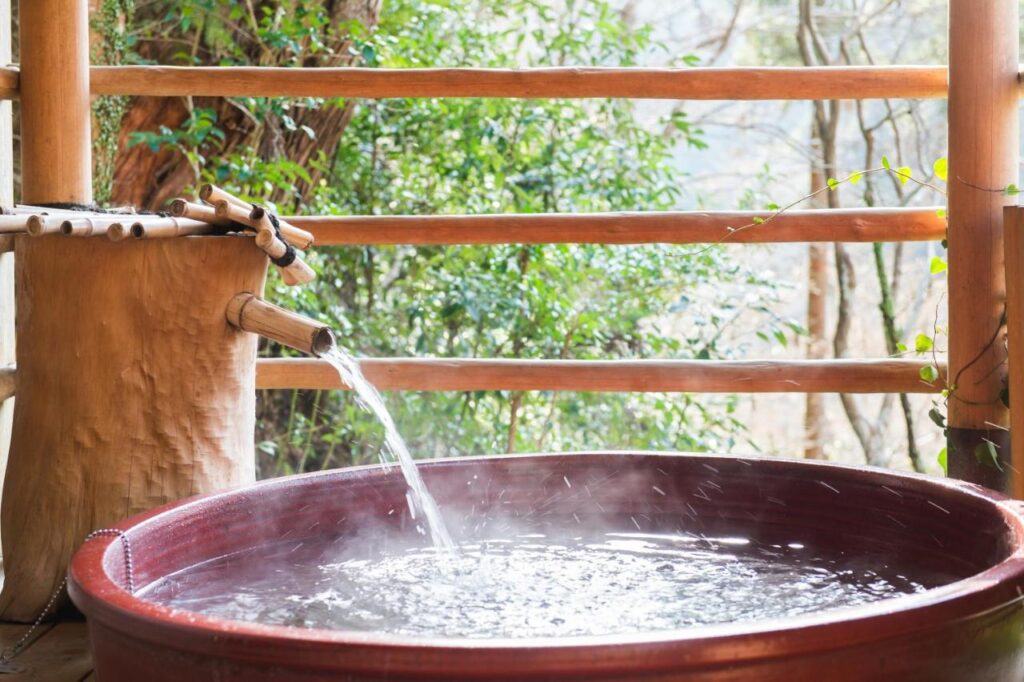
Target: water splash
421,502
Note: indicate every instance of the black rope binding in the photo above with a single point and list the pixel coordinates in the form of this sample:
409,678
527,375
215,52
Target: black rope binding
290,254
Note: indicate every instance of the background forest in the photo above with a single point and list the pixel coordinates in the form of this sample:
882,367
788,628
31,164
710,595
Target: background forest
476,156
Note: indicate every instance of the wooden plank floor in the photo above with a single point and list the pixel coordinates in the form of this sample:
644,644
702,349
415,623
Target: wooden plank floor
59,652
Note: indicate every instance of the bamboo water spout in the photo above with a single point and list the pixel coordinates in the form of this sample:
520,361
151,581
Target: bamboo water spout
249,313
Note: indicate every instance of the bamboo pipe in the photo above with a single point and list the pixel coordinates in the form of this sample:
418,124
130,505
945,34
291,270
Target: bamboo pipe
251,314
170,227
182,208
83,227
39,225
13,223
296,272
240,212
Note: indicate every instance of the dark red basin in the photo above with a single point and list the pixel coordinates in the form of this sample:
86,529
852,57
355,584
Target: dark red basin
971,629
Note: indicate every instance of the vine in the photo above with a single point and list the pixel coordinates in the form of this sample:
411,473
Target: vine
110,22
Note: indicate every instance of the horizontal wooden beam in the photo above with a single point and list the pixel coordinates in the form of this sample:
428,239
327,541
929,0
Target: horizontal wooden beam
642,376
680,227
9,78
769,83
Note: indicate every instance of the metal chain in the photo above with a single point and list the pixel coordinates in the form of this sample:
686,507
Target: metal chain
8,654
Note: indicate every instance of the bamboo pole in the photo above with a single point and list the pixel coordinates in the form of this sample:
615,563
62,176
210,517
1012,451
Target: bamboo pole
182,208
770,83
83,227
683,376
39,225
118,231
670,227
12,224
170,227
251,314
228,207
983,138
1014,256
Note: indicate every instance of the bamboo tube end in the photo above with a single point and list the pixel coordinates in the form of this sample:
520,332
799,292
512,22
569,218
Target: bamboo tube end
222,209
138,230
178,208
264,238
247,312
118,232
205,192
35,225
66,228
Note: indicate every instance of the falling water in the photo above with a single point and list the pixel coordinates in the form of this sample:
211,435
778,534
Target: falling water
421,503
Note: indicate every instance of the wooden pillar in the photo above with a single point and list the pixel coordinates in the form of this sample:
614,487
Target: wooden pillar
134,389
983,156
1014,250
56,161
6,257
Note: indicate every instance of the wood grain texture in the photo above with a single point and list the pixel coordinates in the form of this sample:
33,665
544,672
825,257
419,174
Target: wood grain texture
771,83
684,376
671,227
983,159
1014,256
9,77
135,391
54,86
58,653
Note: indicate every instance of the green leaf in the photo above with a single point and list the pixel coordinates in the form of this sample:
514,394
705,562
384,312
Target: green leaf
987,455
938,265
885,163
901,347
941,168
855,178
941,213
757,220
1011,190
929,373
904,173
923,343
937,417
773,207
833,184
941,459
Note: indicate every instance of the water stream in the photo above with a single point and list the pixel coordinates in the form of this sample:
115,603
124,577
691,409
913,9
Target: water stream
421,504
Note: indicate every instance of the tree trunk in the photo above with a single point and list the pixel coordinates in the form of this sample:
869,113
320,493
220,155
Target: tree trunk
149,179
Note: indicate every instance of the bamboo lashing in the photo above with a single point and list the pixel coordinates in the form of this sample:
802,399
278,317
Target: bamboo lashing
251,314
294,272
239,211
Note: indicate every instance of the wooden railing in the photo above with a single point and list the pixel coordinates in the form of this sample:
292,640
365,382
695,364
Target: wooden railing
677,227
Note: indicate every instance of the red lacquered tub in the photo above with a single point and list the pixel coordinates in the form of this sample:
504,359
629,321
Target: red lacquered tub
971,629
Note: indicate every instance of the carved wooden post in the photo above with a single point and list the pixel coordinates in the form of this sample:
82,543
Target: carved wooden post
134,388
983,140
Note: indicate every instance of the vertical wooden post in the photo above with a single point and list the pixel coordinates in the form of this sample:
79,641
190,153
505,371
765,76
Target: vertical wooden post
983,156
56,160
6,259
134,388
1014,250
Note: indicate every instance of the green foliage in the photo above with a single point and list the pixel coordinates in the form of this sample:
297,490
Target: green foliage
110,22
459,156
